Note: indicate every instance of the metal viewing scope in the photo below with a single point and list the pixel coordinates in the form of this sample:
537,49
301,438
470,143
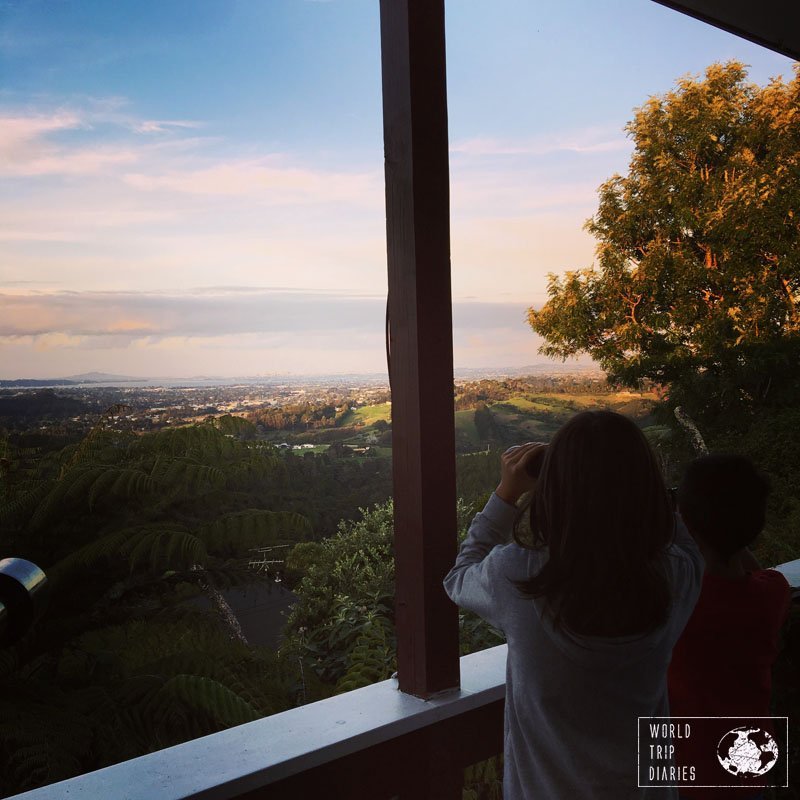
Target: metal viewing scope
23,589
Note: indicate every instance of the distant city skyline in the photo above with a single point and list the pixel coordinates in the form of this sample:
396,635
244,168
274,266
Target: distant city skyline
196,186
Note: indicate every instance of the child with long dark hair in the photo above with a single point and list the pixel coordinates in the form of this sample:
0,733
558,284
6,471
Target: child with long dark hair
591,598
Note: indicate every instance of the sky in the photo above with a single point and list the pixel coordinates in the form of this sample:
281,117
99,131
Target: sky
195,187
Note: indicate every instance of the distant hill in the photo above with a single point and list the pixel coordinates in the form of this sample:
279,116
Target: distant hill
71,380
555,369
28,383
542,369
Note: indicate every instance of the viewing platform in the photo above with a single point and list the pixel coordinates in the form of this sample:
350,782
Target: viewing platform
412,737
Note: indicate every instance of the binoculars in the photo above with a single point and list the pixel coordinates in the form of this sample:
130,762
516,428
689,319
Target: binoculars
533,466
23,590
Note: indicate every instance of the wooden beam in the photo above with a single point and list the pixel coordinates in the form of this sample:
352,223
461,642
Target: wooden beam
771,23
421,340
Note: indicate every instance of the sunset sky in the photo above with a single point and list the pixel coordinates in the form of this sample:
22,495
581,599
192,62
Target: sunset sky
196,186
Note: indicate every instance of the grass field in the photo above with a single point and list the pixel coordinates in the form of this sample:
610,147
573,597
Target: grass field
367,415
539,416
534,417
465,426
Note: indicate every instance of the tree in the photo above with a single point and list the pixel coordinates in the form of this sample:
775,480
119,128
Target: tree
698,272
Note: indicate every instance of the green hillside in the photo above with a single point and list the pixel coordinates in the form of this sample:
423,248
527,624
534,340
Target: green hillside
366,415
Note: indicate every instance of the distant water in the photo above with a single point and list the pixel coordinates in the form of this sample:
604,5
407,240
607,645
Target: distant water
342,379
202,383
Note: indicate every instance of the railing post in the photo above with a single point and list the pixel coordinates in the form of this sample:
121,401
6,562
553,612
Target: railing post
421,340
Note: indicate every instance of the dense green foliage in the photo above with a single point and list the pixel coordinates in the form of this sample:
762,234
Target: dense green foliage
327,489
131,529
128,529
342,627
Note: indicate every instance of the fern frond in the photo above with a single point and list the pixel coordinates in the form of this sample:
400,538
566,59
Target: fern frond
9,661
86,484
159,550
157,547
23,503
41,763
244,530
78,481
48,504
44,734
187,478
122,483
209,696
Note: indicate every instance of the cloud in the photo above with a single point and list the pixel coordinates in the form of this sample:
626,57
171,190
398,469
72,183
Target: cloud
248,331
210,312
561,171
159,315
102,200
266,179
587,140
29,146
20,130
32,142
23,137
162,125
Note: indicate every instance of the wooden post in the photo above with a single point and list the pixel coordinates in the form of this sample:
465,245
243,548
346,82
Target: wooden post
421,340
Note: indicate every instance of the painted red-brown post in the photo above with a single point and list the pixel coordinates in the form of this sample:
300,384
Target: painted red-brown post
421,340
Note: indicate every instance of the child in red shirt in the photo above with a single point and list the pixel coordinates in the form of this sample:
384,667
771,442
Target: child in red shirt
721,666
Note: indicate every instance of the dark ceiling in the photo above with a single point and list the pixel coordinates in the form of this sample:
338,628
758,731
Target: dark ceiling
772,23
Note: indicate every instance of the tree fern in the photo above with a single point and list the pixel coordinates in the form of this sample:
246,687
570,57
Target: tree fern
224,706
244,530
88,482
120,483
41,735
157,550
187,478
154,547
128,528
23,502
9,661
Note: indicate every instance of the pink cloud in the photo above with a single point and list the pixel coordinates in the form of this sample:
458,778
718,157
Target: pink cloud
589,140
271,181
20,132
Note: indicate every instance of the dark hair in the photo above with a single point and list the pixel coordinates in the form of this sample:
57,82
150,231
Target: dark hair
723,501
601,508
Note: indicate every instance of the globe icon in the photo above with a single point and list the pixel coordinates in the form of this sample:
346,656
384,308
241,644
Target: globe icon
747,752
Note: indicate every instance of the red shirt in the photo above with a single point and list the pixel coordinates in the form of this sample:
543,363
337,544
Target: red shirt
722,664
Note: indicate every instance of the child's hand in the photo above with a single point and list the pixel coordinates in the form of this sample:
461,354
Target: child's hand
515,477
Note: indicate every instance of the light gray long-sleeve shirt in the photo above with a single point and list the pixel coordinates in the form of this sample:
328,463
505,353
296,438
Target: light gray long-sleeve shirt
572,702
